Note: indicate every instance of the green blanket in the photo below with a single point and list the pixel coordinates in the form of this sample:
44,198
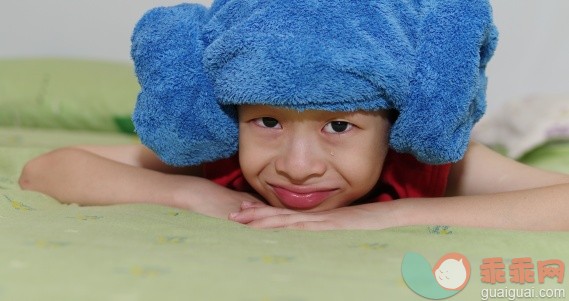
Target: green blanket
50,251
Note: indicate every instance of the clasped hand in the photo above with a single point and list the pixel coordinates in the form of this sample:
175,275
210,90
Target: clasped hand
260,215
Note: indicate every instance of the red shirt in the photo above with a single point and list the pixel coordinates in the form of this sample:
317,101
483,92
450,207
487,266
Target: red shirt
402,177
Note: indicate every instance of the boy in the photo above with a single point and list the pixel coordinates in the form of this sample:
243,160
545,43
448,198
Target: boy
334,106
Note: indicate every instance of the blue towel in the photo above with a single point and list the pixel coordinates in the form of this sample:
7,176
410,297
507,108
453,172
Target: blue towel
424,58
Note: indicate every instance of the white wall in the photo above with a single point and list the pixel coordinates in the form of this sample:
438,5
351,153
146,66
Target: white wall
97,29
533,53
531,58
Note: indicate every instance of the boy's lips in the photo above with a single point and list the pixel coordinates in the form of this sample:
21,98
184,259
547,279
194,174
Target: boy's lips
301,198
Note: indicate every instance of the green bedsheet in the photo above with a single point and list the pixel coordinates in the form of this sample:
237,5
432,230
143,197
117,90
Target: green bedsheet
50,251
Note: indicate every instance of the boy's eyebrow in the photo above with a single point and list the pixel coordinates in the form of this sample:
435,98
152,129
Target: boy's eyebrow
256,111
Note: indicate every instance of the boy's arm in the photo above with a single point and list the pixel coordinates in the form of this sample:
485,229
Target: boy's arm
125,174
485,190
490,190
138,155
483,171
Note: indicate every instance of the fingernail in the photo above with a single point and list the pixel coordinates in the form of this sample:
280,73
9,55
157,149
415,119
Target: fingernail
233,215
246,204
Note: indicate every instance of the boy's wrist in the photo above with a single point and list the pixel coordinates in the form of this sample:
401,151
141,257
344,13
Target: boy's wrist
183,192
406,212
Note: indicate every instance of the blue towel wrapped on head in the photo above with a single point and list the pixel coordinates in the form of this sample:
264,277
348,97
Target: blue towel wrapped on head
426,59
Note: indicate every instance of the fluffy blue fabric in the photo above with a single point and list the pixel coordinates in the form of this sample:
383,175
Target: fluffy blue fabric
423,58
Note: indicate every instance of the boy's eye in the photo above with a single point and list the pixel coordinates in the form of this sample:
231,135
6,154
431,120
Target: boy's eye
335,127
267,122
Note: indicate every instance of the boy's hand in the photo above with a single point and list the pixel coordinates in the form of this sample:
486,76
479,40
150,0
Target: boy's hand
205,197
368,216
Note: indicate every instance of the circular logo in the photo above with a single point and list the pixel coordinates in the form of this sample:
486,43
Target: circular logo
445,279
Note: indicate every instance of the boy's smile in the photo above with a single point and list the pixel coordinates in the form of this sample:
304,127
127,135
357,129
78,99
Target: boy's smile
302,197
311,160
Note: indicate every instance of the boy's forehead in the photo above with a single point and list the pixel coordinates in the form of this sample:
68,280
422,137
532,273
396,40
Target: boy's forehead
267,109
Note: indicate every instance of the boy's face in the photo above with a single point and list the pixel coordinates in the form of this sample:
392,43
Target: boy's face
311,160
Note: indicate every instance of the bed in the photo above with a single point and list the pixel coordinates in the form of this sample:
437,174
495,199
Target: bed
51,251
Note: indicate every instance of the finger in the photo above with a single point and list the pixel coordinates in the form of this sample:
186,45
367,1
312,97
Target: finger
248,215
283,220
248,204
311,226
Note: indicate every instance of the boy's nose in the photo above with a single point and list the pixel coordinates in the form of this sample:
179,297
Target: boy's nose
301,159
